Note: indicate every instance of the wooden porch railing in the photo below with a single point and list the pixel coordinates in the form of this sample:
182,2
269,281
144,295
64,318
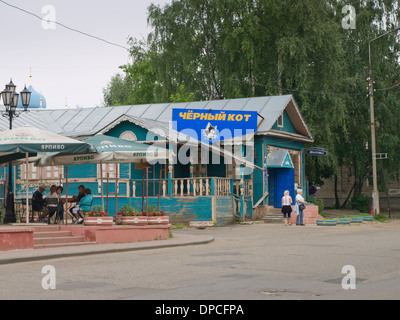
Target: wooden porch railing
247,188
195,187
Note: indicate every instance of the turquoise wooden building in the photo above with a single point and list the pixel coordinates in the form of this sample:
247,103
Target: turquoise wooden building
234,184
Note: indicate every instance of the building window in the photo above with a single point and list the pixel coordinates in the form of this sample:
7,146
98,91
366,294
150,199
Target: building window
128,135
42,173
108,170
280,121
33,172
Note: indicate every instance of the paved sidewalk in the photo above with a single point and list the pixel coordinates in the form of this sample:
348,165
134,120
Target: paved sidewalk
7,257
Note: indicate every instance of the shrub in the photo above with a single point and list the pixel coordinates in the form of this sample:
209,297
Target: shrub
381,218
320,203
360,203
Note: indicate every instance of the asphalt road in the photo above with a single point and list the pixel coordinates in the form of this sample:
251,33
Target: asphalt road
244,262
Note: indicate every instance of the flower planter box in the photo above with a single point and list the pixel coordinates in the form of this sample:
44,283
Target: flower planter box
98,221
201,224
327,222
158,220
368,218
343,221
131,220
356,220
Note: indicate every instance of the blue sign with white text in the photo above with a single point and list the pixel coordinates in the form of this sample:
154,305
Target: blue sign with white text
317,152
214,125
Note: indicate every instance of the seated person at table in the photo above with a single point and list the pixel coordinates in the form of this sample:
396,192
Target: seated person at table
85,204
60,207
37,198
52,207
75,210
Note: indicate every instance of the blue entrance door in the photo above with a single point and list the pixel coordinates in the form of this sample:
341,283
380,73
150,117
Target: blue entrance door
284,180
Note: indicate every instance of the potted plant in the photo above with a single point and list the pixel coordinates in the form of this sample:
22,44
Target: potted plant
97,216
156,216
130,216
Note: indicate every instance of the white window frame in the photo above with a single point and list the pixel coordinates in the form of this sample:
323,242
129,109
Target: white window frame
280,121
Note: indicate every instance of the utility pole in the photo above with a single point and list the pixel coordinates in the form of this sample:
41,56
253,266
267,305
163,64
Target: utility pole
375,192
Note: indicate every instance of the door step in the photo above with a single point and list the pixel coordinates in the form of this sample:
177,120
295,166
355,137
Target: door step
274,215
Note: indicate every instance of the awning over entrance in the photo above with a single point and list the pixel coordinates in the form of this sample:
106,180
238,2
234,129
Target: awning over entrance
279,159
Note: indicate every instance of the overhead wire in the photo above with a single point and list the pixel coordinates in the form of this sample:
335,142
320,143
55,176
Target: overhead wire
63,25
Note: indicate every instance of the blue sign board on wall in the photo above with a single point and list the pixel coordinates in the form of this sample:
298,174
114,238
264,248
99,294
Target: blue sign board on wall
317,152
214,125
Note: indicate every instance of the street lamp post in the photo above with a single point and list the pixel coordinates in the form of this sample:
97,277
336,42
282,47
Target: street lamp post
10,101
375,192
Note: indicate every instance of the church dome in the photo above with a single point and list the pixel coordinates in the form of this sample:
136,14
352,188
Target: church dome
37,100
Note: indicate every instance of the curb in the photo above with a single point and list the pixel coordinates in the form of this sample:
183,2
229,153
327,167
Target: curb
36,255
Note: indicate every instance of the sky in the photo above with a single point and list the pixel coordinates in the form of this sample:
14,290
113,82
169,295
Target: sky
69,69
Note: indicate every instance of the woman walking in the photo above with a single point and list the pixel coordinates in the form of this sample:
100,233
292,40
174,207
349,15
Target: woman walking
286,207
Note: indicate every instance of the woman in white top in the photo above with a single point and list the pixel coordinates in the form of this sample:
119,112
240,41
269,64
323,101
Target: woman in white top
299,200
52,207
286,207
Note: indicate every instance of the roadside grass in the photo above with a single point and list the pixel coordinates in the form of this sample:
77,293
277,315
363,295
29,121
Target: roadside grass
380,217
179,226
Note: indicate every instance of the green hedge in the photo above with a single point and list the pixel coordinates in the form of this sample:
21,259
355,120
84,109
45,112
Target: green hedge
320,203
360,203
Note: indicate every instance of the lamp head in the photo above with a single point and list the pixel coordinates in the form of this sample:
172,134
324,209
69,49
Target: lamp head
14,103
11,86
25,98
7,97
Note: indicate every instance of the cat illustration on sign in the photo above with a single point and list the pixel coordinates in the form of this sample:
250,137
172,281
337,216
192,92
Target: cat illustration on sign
210,132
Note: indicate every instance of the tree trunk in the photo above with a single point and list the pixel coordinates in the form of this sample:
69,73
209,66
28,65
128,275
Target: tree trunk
280,90
348,196
252,80
358,181
337,202
358,186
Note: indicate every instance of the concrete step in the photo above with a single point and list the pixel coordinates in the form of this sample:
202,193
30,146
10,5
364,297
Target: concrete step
51,234
58,240
273,220
274,211
57,245
45,228
274,215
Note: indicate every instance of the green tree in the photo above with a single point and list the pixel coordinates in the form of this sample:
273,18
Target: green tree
138,84
373,18
117,91
182,95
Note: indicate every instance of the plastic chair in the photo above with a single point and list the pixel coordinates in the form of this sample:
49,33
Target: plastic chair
23,208
82,212
49,202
